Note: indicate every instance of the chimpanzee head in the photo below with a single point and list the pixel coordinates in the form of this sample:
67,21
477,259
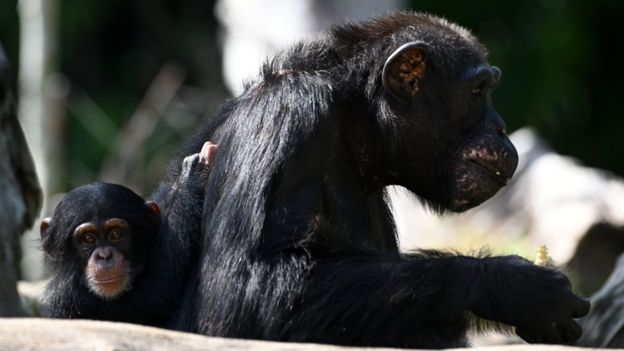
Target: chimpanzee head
100,234
448,144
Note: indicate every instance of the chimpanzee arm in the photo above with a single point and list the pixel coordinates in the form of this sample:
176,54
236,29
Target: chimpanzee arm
401,302
191,178
182,199
181,202
182,206
429,296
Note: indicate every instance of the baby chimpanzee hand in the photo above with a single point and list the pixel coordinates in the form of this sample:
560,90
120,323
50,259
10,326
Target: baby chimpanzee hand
202,159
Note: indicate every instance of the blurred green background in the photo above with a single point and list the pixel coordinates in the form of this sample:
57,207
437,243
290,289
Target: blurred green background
559,60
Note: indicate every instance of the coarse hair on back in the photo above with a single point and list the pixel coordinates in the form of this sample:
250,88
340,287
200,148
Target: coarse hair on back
258,131
263,126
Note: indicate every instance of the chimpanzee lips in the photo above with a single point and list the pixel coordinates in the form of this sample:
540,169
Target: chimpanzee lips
475,180
109,287
495,174
109,280
491,159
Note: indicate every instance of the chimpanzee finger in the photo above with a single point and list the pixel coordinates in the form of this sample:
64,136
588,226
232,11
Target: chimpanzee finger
541,334
528,337
188,164
208,152
562,280
580,306
569,330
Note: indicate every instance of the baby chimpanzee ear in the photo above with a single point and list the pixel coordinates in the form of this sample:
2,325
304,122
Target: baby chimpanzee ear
45,224
153,208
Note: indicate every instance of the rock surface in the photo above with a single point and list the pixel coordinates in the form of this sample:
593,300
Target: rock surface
604,325
78,335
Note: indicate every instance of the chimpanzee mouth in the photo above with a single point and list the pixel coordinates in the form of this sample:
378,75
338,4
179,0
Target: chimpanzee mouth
109,280
495,174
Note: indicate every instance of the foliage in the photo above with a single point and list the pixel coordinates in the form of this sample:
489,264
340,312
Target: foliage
559,60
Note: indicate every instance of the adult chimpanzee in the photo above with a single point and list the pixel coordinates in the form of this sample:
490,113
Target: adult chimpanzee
298,240
114,256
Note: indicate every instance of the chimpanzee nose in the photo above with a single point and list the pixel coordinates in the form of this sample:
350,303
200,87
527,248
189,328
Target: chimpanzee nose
501,130
104,254
498,124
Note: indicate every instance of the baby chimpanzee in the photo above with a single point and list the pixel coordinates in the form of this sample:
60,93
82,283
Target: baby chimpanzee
114,256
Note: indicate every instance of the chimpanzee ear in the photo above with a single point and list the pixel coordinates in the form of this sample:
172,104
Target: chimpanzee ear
404,69
45,224
153,208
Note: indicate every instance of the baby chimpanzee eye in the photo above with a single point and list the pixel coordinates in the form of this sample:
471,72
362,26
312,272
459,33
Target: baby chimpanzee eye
479,90
116,235
88,239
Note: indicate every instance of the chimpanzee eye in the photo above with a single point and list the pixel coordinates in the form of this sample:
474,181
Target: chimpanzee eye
115,235
478,91
88,239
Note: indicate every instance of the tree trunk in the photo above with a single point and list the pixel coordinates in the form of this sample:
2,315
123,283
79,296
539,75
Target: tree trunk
20,195
40,92
604,325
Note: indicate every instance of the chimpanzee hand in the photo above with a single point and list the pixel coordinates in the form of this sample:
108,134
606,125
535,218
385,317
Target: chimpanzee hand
202,159
195,169
537,300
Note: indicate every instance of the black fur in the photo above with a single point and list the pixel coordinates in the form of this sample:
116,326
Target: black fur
298,240
162,249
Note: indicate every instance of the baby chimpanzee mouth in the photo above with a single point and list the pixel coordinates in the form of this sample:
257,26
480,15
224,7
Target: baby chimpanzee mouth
109,280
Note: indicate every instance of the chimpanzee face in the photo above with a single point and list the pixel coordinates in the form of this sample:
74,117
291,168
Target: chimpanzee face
106,247
101,232
462,155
